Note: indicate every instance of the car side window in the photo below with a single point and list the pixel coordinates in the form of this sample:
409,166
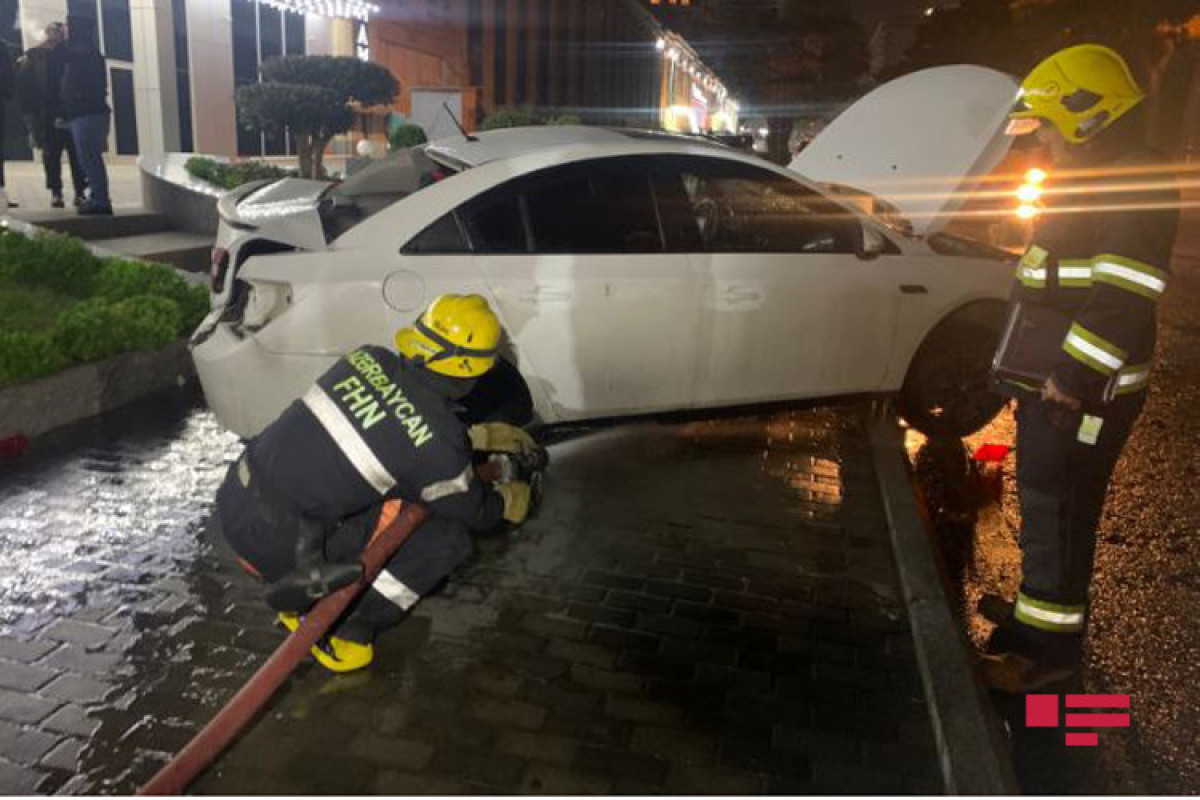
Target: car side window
495,223
602,206
443,237
739,208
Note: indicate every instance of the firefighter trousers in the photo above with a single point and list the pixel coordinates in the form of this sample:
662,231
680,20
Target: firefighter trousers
1062,481
429,555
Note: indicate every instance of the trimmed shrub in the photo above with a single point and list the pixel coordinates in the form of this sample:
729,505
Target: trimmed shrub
523,117
231,176
120,279
53,260
99,328
127,306
510,118
406,135
25,356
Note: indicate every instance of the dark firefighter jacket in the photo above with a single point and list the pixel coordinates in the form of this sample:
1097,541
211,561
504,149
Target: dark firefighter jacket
374,428
1101,256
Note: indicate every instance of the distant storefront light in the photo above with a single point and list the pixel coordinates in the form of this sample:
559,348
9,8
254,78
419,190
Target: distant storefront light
337,9
362,47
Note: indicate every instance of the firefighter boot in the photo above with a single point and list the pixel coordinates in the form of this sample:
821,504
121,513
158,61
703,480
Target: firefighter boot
996,610
336,655
1021,660
1015,673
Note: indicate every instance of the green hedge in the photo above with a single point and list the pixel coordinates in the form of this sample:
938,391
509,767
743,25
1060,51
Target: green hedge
231,176
520,117
406,135
111,306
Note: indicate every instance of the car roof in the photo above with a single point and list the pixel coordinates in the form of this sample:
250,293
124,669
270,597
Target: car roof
505,143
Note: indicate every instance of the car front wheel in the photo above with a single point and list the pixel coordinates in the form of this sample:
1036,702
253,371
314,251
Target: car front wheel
947,392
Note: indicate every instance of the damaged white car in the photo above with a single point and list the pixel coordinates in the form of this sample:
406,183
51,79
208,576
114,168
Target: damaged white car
638,272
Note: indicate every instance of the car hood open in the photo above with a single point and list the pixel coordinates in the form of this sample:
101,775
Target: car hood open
922,142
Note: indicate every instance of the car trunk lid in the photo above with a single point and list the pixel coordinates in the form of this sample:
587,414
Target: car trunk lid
283,211
922,142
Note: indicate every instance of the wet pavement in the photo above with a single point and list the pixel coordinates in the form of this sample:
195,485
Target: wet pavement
700,607
1144,630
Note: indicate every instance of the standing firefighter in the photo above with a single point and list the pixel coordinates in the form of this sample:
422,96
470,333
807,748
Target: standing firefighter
1082,325
304,499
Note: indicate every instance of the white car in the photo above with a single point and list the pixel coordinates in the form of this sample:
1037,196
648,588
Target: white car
637,272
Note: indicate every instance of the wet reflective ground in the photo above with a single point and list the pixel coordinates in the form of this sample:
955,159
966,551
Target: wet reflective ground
701,607
1144,632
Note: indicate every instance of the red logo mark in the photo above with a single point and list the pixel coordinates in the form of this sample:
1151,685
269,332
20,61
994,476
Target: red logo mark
1041,711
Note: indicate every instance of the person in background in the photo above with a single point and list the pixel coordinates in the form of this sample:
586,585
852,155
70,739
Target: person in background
39,81
84,107
7,84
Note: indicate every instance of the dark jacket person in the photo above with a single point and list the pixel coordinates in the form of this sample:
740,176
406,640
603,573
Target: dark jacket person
39,97
84,104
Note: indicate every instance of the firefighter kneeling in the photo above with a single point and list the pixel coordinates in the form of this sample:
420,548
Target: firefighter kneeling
377,429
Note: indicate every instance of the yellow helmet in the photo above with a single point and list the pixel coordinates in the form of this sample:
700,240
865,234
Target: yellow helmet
1080,90
458,335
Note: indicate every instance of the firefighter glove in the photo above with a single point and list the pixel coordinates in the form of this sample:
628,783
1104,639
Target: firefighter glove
516,500
500,437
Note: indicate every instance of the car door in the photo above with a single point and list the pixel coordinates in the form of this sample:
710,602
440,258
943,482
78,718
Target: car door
602,318
790,310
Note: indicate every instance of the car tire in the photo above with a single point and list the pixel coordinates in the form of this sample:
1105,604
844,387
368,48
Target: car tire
947,391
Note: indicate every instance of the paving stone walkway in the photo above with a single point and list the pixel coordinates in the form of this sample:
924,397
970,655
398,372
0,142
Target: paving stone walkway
701,607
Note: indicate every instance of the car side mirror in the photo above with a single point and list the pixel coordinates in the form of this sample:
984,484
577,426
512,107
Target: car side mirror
870,244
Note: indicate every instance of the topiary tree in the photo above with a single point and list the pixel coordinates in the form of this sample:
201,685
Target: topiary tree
313,97
406,135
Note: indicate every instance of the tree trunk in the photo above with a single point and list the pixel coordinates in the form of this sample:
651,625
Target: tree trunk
318,157
304,154
779,130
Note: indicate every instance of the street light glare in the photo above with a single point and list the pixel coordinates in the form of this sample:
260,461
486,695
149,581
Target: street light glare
1029,193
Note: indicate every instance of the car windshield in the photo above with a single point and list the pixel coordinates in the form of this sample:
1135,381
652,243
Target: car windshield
376,186
881,210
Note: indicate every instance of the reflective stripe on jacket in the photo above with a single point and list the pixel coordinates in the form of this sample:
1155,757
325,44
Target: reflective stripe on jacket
1101,255
373,429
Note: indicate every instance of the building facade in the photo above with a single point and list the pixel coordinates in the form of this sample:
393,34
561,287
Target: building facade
605,61
174,65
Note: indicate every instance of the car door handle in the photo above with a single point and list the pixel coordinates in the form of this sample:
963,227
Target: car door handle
544,294
913,288
738,294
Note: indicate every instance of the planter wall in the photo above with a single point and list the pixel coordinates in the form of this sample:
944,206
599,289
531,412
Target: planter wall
32,409
188,204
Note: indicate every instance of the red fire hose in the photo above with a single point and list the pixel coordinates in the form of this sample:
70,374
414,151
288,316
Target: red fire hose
203,749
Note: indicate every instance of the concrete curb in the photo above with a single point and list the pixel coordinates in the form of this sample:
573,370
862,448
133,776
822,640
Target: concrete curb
973,754
85,391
